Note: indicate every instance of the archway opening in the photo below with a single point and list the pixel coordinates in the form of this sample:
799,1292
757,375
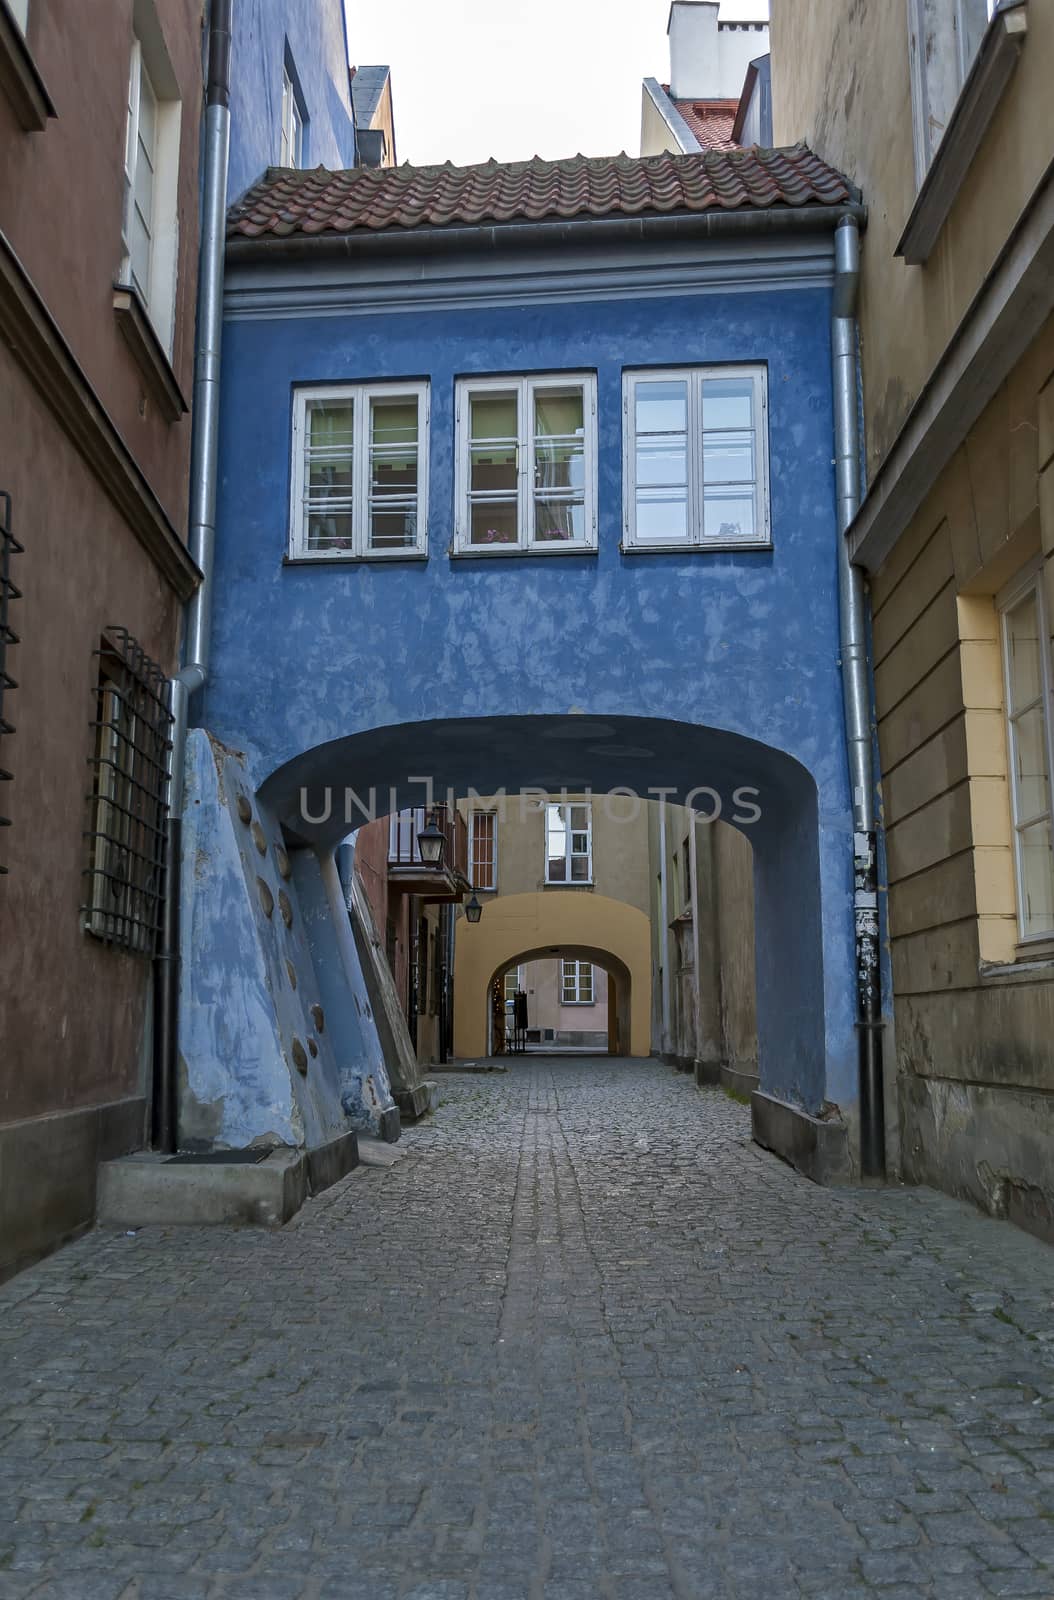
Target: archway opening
560,1000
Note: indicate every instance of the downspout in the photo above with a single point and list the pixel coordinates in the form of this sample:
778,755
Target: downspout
664,935
856,686
203,469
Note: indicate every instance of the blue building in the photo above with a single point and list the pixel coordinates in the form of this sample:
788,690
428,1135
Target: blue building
294,100
526,480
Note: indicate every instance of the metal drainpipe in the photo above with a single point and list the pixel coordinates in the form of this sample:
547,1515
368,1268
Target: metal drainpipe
203,463
856,687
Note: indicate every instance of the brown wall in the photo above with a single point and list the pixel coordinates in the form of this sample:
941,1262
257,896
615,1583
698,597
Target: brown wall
371,864
60,208
75,424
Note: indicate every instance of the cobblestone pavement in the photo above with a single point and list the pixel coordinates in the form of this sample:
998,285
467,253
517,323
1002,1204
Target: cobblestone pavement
584,1342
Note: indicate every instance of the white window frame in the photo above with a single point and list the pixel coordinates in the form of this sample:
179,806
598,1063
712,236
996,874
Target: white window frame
361,395
1030,581
576,982
149,61
483,811
291,131
695,377
525,388
568,882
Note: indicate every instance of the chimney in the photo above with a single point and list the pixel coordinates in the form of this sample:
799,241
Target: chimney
709,58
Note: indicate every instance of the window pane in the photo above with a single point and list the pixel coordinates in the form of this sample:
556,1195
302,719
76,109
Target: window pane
728,403
1024,661
494,522
728,515
728,458
1037,879
579,816
329,531
661,518
140,253
329,474
1030,764
560,464
494,469
663,462
559,414
493,416
580,869
393,530
147,115
557,872
559,519
393,474
662,406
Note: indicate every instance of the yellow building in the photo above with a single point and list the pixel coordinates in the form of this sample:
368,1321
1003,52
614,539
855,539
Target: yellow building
941,114
563,878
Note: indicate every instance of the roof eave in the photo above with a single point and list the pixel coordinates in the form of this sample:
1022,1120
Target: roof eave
767,222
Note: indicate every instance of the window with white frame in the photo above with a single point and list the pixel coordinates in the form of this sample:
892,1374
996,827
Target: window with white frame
696,459
291,136
513,985
526,464
483,849
1030,712
569,843
360,467
576,983
150,233
944,37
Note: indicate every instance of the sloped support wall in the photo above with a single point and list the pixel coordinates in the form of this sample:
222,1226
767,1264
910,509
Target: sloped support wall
258,1063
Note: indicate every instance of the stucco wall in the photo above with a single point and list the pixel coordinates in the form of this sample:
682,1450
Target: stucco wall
543,985
312,34
840,81
974,1011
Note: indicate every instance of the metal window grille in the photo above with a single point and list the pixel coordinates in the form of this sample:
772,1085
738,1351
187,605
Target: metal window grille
125,875
9,546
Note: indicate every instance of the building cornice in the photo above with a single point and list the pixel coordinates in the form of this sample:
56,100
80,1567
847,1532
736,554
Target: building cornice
1005,316
31,334
609,268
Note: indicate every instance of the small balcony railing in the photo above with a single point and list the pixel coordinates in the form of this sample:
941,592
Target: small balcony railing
446,881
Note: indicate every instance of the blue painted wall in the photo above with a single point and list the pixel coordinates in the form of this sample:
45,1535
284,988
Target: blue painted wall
713,649
313,35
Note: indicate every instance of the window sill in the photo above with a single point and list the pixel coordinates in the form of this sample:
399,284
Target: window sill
694,549
973,111
149,353
488,552
580,883
1034,963
19,78
349,559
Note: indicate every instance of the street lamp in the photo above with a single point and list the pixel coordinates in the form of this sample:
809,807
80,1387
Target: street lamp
430,842
473,909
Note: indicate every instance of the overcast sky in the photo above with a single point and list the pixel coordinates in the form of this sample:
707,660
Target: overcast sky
516,78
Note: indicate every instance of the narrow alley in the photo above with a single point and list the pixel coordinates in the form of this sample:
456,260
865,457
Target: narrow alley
581,1340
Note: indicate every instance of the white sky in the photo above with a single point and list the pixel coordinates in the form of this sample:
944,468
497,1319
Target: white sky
480,78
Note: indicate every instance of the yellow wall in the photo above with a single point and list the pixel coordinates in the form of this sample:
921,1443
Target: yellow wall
519,926
840,81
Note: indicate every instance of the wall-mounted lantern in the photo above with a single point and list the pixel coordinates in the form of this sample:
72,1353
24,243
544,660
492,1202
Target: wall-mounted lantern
431,841
473,909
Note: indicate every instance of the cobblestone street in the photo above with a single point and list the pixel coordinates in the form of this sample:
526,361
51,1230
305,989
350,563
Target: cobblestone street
583,1342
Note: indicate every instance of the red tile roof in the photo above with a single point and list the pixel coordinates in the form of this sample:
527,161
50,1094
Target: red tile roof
710,120
368,200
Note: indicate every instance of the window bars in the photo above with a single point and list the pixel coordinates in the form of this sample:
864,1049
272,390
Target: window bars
9,546
125,874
